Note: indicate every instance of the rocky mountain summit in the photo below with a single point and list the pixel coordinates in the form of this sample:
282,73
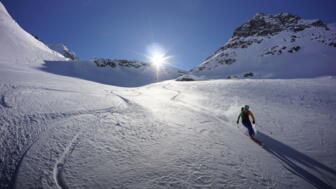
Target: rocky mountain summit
104,62
265,24
64,50
269,46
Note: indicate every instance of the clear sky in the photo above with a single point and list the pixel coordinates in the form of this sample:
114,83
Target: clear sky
190,30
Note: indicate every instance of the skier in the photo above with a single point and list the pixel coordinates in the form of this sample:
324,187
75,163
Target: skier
244,114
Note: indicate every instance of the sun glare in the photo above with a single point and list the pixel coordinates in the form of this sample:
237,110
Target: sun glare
157,55
158,59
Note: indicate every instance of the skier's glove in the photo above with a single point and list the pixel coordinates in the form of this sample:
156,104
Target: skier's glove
253,122
237,122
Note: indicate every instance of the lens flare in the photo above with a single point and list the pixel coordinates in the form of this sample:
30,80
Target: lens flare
157,55
158,59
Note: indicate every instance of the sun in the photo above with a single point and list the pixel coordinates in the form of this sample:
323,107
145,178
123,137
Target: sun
157,55
158,59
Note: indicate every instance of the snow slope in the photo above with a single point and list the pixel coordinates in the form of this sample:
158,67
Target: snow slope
78,134
70,132
20,47
273,46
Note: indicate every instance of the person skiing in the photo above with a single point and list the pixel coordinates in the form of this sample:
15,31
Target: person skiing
244,114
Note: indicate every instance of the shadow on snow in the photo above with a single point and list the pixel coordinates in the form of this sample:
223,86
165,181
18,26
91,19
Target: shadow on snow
299,163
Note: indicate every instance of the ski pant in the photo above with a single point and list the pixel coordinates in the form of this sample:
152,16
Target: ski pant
249,127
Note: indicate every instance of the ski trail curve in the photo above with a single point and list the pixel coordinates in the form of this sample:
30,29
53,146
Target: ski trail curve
16,171
194,107
3,102
121,97
59,166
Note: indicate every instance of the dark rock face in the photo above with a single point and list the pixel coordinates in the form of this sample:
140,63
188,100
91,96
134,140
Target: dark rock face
227,61
238,43
263,24
100,62
185,79
249,74
62,49
69,54
332,44
294,49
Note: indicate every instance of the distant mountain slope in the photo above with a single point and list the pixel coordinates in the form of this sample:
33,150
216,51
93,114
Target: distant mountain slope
16,44
273,46
126,73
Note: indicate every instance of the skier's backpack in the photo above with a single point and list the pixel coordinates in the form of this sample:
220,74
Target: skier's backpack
245,116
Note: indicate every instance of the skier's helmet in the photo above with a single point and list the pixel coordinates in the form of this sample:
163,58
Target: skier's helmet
246,107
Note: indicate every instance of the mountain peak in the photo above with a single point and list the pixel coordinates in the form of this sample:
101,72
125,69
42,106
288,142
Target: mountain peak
64,50
272,46
269,24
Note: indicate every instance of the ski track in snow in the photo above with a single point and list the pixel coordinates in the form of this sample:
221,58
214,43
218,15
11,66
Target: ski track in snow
38,119
206,133
60,162
59,166
46,118
197,108
3,102
58,169
15,174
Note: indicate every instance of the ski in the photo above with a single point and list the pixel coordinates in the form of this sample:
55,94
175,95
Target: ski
255,140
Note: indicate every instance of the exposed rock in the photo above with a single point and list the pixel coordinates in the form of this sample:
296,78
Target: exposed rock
100,62
332,44
185,79
265,24
62,49
249,74
227,61
294,49
239,43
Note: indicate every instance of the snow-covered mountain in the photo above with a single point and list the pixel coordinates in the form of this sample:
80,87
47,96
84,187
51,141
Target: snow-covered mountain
64,50
126,73
19,46
273,46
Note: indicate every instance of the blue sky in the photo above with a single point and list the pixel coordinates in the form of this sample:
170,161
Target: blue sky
190,30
